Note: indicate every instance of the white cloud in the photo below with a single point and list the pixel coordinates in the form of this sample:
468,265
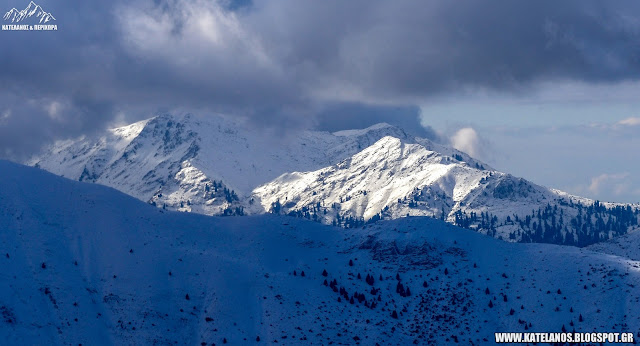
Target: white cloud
53,110
466,140
191,35
119,120
633,121
617,183
4,116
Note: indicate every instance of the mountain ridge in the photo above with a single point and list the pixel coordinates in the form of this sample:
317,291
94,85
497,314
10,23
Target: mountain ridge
217,165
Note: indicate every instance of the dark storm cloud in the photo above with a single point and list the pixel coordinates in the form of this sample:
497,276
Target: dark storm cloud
295,63
404,49
26,122
351,115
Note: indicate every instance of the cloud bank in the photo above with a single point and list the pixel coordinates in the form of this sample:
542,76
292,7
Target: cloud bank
283,63
617,183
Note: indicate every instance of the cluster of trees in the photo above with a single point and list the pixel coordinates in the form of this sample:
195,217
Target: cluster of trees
237,211
551,224
348,221
355,297
459,157
429,196
212,191
485,221
217,190
592,224
565,222
401,289
316,212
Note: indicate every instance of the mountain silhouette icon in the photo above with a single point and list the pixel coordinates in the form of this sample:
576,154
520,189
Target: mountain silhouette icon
32,10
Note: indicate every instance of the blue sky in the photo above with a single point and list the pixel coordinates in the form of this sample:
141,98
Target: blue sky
582,139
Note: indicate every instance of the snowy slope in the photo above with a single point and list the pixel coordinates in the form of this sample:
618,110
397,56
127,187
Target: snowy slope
393,178
377,177
215,165
86,264
174,161
627,246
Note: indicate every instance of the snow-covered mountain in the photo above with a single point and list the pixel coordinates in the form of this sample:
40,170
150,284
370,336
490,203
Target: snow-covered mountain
201,164
393,178
219,166
85,264
31,10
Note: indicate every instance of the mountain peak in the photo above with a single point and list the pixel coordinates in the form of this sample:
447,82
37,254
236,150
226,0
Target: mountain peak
218,165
